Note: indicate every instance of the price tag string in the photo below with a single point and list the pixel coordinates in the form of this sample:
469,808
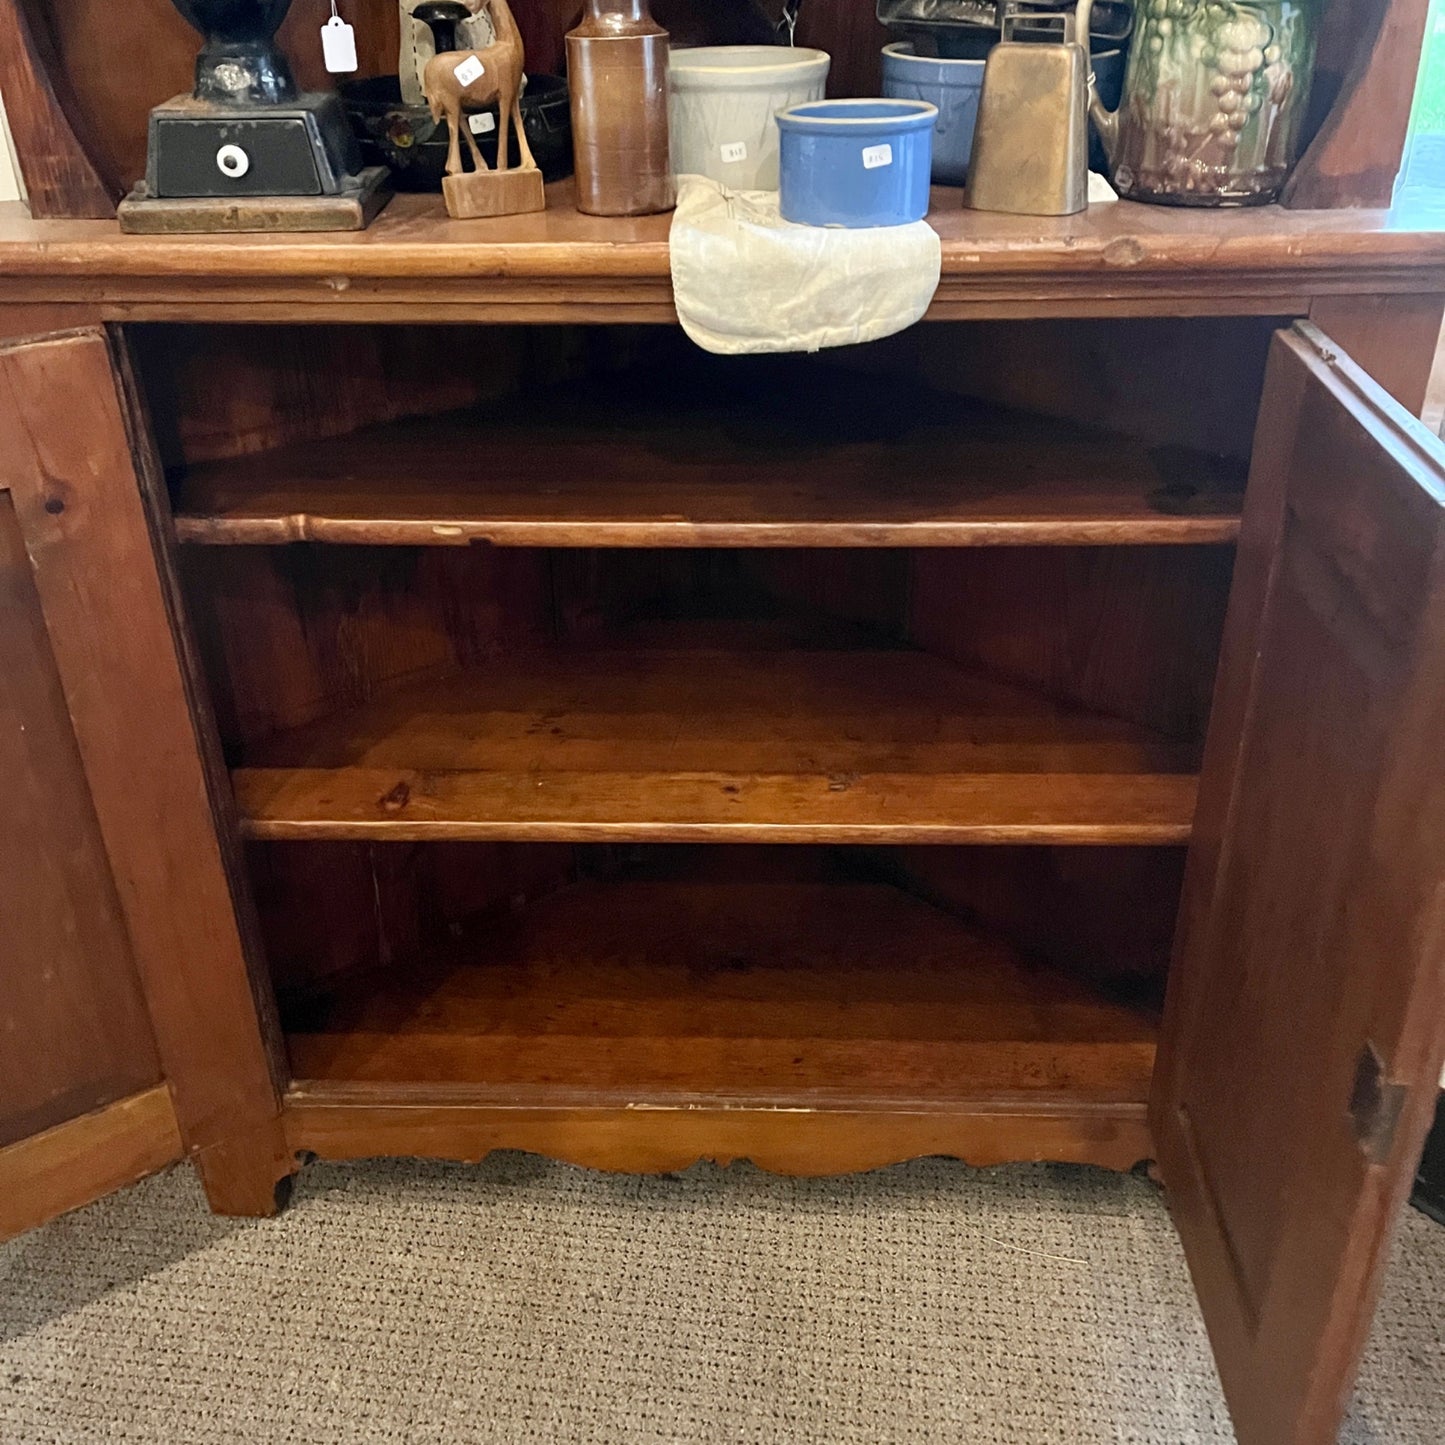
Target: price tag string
338,44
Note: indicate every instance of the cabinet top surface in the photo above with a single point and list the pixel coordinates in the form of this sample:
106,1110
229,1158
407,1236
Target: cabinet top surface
1121,258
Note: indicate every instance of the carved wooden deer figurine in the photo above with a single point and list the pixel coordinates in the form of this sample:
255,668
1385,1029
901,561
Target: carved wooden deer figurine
460,78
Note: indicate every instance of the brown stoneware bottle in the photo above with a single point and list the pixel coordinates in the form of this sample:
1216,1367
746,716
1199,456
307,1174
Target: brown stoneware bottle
617,73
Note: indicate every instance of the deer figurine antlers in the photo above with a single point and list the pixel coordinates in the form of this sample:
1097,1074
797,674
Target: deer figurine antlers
458,79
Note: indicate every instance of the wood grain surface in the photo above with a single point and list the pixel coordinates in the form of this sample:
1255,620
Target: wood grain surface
52,137
360,1123
77,477
76,1035
579,745
1303,1044
1354,159
647,991
647,469
86,1158
415,263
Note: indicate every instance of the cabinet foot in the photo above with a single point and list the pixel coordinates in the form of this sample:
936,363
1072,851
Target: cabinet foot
250,1175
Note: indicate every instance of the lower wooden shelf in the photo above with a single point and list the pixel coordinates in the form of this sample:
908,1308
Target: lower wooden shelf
636,1022
720,745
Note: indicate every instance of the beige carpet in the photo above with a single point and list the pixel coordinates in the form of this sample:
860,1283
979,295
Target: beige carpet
526,1301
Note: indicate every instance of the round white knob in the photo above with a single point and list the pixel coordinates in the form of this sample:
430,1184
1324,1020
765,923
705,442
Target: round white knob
232,161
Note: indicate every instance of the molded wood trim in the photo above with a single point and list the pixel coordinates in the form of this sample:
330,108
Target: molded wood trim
80,1161
362,1122
416,265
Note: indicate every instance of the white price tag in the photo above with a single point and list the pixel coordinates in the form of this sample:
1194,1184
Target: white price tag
734,151
338,46
875,156
482,122
469,70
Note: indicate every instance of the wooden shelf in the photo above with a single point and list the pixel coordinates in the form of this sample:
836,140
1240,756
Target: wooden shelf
661,992
757,456
415,264
712,744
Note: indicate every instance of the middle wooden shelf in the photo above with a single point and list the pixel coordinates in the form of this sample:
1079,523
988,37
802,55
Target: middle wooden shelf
715,744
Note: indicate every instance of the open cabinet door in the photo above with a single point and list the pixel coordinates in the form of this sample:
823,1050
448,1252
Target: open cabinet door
1306,1020
83,1109
129,1025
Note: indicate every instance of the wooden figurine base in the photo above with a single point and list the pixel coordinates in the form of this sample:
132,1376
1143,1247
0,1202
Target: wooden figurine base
494,193
350,210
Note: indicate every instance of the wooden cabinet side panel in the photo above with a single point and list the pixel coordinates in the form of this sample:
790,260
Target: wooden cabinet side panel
60,177
74,1034
78,493
1354,159
1396,339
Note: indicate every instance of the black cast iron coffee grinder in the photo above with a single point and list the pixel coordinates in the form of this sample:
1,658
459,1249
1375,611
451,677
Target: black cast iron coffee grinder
246,150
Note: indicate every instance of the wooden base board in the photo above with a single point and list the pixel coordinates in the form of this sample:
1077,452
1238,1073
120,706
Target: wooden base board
646,1140
80,1161
494,193
353,210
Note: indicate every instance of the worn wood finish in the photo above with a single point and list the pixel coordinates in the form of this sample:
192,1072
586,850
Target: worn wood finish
61,178
1185,384
215,392
1105,914
852,36
1303,1046
332,908
75,1030
415,264
647,473
403,804
248,1175
359,1124
1129,631
1354,159
87,1157
290,637
650,989
142,214
578,745
78,473
1395,339
297,636
19,322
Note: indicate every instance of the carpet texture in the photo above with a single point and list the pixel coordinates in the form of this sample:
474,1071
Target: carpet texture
525,1301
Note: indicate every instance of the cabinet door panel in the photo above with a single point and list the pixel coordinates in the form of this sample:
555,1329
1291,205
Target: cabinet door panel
1306,1019
74,1035
87,532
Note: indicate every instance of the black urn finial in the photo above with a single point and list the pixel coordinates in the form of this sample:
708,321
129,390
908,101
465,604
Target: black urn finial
239,63
442,17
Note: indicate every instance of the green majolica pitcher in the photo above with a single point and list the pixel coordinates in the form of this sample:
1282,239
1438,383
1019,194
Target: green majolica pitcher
1214,99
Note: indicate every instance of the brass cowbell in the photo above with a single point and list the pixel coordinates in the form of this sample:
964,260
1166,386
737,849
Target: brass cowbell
1031,147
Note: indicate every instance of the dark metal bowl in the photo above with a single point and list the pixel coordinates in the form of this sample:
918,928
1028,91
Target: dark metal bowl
406,138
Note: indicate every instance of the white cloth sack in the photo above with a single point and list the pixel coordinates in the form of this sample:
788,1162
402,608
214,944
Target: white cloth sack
745,280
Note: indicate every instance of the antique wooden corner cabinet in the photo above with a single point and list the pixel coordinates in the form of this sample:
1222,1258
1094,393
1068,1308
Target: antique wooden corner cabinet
439,713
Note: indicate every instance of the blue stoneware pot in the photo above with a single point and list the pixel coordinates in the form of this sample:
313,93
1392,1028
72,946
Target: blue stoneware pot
856,162
954,86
